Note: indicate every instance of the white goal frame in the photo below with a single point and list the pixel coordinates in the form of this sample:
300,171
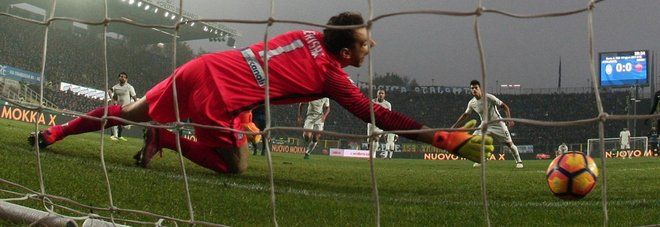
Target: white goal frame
643,139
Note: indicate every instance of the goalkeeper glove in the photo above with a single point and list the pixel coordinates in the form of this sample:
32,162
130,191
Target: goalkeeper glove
249,126
463,144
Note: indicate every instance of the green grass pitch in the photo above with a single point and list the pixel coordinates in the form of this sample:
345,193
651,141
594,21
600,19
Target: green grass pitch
325,191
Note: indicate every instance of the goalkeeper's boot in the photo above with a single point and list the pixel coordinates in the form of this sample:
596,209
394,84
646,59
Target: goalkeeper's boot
249,126
463,144
137,157
150,148
45,137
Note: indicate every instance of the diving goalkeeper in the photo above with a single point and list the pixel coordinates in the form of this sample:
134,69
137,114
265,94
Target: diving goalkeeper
214,89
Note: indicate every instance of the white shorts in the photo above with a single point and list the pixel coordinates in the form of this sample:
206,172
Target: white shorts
625,146
390,146
389,138
313,123
499,132
123,126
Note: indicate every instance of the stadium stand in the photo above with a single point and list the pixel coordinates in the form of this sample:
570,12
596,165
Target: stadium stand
81,62
72,60
546,107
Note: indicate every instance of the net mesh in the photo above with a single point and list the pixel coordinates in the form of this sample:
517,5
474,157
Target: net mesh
50,201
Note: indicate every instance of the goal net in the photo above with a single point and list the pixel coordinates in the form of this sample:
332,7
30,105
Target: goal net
613,145
84,45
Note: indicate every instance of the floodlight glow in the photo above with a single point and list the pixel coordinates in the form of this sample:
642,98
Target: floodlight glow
192,24
139,4
147,7
216,32
167,14
181,20
130,2
205,28
156,10
173,16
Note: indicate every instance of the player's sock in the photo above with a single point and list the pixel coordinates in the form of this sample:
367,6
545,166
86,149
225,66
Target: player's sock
115,131
119,130
516,155
194,151
375,146
263,148
310,147
82,125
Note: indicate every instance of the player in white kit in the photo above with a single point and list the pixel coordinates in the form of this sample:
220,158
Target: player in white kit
563,148
390,144
317,112
624,138
499,130
123,94
380,100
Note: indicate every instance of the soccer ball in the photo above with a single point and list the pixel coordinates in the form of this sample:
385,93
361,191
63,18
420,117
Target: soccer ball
572,175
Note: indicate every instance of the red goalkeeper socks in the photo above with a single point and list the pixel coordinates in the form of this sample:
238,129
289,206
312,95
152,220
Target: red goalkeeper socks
82,125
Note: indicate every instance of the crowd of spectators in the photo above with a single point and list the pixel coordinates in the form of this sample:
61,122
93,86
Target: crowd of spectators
76,56
67,100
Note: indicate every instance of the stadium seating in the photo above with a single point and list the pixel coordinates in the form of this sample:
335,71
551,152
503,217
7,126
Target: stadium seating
78,58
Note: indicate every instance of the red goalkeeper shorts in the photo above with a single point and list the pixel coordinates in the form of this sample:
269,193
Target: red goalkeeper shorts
200,101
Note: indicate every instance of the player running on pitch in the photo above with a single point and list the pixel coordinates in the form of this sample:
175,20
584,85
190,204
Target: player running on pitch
317,112
499,130
375,143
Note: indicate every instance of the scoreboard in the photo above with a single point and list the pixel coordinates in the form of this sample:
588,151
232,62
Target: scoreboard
625,68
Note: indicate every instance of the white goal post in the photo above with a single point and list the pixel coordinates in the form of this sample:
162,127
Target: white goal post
614,144
21,214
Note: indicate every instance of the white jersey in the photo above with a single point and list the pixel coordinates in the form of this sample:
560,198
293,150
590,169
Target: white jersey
390,138
562,148
385,104
625,137
476,105
123,93
315,108
314,119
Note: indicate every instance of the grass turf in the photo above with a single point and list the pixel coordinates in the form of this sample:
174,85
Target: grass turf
323,190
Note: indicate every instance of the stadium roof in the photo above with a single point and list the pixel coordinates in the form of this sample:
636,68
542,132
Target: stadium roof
150,12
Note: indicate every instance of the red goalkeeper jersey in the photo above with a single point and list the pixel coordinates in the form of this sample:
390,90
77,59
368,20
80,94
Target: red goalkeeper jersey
300,70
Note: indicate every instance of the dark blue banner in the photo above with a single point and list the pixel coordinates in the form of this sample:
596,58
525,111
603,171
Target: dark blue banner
19,74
